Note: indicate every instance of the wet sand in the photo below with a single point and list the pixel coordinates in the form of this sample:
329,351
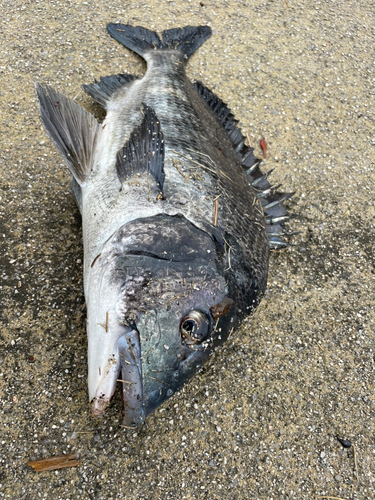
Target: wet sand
262,418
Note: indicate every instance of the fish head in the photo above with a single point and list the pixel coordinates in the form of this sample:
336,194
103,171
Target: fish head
158,306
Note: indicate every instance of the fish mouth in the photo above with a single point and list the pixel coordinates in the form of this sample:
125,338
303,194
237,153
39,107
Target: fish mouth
125,367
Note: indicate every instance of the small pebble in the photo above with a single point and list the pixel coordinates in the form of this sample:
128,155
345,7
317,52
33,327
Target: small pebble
344,442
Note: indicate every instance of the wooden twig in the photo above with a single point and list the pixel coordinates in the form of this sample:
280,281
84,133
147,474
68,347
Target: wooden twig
355,463
96,258
174,161
125,381
332,498
174,298
54,463
216,211
230,267
157,380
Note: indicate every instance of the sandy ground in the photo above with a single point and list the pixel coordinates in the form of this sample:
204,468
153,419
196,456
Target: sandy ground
262,418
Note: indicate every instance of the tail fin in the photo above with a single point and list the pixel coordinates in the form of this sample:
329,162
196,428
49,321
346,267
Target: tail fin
142,40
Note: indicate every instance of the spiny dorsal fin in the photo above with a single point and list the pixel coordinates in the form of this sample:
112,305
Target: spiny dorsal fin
244,153
142,40
271,200
144,151
102,91
223,114
275,214
72,129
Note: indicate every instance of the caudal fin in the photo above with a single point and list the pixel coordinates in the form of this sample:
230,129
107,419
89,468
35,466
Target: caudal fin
142,40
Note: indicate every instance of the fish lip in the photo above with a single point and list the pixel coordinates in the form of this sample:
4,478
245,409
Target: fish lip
128,371
106,389
132,380
98,406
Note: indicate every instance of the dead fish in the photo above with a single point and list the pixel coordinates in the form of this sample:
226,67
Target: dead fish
177,217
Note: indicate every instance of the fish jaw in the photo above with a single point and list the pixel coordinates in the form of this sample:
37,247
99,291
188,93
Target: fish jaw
123,366
113,349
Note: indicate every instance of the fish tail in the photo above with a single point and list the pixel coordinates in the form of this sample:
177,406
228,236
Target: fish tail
142,40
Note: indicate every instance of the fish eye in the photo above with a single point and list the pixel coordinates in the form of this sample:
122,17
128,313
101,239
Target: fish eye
195,327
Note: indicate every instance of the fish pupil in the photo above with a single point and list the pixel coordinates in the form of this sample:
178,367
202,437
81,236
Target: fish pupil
190,327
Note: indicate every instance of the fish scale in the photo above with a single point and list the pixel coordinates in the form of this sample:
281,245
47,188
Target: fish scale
177,220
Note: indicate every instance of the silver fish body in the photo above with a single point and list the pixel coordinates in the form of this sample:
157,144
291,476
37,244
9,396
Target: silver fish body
175,237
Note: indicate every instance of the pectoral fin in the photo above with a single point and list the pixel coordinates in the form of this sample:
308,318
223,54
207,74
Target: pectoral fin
143,153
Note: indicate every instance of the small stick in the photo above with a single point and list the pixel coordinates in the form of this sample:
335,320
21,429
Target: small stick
54,463
355,463
132,350
125,381
197,177
248,139
230,267
147,353
216,211
157,380
74,98
106,321
320,347
123,357
174,298
176,166
96,258
332,498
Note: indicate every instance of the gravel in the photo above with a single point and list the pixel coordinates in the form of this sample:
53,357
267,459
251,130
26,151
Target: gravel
262,418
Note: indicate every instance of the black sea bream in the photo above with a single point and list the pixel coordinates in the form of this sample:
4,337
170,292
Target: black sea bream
177,220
